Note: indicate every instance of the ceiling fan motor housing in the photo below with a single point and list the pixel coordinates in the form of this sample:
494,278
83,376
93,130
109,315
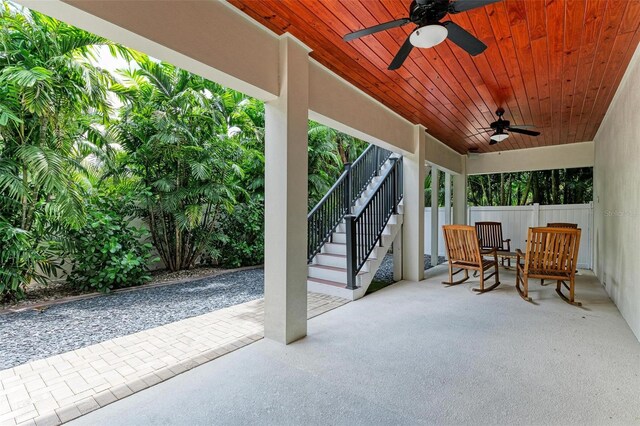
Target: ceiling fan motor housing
501,124
431,12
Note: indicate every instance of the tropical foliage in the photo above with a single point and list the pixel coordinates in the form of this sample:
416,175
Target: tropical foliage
85,151
51,101
560,186
182,138
563,186
329,151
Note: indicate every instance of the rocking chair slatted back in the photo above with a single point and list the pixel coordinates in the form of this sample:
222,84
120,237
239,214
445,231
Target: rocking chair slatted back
552,250
462,244
490,234
562,225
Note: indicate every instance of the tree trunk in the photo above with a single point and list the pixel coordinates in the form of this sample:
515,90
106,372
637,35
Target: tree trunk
344,155
554,187
525,194
484,191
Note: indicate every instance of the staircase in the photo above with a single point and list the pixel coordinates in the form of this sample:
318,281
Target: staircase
351,229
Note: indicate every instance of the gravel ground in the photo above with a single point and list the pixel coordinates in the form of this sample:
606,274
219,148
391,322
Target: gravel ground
385,272
31,335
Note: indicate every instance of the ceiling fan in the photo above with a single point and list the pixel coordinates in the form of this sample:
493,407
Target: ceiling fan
426,14
502,127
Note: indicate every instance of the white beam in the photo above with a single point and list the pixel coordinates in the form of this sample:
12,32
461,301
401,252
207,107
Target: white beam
285,264
413,208
442,156
207,38
434,216
337,103
541,158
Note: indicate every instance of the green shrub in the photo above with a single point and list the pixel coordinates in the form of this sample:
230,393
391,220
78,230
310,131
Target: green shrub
243,241
24,258
109,253
18,261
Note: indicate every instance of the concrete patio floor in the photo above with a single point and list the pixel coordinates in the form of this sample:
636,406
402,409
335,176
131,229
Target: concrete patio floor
417,353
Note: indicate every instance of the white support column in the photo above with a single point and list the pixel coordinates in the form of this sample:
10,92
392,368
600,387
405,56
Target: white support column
413,221
460,198
285,263
434,216
447,198
397,257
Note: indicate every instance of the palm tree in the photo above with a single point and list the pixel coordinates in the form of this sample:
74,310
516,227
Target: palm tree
51,100
329,150
185,139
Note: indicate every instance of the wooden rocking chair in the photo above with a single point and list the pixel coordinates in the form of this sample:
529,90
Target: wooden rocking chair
490,235
559,225
464,253
552,254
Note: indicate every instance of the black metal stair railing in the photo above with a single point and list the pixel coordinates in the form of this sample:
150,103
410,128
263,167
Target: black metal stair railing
324,218
365,168
364,228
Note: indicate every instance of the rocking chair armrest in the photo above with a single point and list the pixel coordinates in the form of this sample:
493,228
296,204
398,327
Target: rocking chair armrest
519,254
488,250
508,241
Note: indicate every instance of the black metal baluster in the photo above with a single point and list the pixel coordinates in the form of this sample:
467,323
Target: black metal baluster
351,251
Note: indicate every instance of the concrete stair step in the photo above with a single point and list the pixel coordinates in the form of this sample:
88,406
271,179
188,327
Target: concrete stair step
330,259
341,256
339,248
334,248
340,260
331,273
341,237
326,282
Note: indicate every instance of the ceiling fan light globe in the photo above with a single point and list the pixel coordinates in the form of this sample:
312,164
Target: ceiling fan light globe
428,36
499,137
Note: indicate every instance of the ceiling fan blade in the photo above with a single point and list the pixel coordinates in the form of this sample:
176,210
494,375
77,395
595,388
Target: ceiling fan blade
464,5
493,142
402,54
376,28
464,39
523,131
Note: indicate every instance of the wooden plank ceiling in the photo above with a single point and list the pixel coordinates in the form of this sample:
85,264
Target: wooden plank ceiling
552,63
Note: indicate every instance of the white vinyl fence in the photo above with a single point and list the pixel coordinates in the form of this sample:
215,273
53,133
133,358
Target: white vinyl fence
516,221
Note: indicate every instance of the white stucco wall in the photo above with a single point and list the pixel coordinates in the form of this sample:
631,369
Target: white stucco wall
617,198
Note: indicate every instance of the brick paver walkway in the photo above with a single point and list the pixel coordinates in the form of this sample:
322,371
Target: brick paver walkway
62,387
